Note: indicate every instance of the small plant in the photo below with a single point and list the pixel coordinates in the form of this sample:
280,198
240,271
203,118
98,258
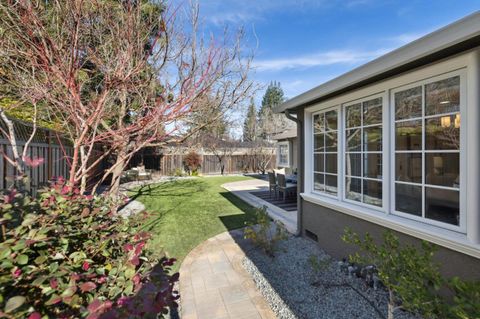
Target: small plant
466,300
318,265
264,233
178,173
192,162
408,273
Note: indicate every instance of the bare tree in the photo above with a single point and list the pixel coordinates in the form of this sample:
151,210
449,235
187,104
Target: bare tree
116,73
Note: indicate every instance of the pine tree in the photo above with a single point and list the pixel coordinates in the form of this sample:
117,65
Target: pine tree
250,124
270,123
273,96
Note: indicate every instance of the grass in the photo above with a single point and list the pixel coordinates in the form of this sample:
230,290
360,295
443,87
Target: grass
185,213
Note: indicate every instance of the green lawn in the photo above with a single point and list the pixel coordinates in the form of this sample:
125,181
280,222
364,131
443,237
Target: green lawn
184,213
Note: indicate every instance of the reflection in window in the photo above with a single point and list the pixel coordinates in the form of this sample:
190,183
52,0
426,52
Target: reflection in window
363,152
427,151
283,154
325,153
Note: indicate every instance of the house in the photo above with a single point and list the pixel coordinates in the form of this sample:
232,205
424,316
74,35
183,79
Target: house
286,150
394,144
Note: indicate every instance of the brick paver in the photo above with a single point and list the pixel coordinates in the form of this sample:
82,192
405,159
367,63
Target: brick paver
214,285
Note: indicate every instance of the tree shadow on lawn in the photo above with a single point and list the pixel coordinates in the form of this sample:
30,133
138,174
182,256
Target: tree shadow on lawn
176,188
237,221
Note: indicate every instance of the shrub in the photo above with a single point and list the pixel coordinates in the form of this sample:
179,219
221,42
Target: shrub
192,162
66,255
408,273
264,233
178,173
466,300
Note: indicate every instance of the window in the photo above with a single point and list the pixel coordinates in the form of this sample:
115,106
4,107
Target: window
415,176
363,152
427,151
283,153
325,152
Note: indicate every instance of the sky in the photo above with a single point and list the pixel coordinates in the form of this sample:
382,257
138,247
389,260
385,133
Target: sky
303,43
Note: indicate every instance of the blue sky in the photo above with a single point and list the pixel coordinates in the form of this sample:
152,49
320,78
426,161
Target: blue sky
303,43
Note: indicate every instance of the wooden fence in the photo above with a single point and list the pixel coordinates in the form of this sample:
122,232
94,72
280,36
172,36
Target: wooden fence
55,163
234,164
49,145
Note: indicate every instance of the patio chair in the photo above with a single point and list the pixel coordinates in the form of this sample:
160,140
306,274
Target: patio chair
284,187
272,183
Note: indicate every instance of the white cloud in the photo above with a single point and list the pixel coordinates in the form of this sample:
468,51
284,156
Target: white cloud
318,59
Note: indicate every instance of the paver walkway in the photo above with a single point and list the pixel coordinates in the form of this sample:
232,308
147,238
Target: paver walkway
214,284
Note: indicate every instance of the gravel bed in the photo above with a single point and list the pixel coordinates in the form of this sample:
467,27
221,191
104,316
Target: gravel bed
293,290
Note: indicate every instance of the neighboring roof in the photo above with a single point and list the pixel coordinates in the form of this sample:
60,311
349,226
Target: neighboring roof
290,133
459,36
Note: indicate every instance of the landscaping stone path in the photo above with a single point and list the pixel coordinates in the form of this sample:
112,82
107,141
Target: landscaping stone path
244,190
214,284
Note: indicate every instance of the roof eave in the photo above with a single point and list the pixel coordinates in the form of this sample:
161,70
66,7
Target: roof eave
451,39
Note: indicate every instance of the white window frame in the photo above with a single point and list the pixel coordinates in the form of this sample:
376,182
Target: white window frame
464,238
462,190
339,144
287,144
384,153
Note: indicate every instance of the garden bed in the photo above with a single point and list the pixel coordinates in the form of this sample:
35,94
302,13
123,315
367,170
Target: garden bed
294,290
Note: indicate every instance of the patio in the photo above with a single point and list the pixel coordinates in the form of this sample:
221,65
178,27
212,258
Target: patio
255,192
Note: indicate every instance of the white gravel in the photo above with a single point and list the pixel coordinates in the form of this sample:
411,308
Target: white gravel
294,291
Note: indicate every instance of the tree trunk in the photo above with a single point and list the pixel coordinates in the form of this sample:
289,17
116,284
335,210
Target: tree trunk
117,171
391,305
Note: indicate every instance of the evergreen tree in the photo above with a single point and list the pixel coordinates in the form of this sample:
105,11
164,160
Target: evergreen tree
270,123
273,96
250,124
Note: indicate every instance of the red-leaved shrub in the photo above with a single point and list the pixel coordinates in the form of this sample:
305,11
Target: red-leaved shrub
65,255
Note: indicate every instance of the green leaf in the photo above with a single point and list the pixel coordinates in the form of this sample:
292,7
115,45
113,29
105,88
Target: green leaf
5,252
22,259
13,303
40,260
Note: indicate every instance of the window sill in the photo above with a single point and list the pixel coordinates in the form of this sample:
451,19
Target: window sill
443,237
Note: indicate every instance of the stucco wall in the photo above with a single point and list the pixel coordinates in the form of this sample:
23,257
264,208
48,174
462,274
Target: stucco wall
328,225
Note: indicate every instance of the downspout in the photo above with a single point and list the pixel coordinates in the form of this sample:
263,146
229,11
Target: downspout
300,172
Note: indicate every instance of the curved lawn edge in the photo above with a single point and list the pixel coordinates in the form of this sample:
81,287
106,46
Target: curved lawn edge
184,213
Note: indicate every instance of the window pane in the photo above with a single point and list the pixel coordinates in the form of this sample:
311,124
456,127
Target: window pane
408,199
331,120
372,139
318,143
408,167
353,164
372,165
318,164
442,96
372,192
408,135
331,184
372,111
442,205
331,142
283,154
353,140
353,188
318,182
331,163
408,103
353,115
443,133
443,169
318,123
